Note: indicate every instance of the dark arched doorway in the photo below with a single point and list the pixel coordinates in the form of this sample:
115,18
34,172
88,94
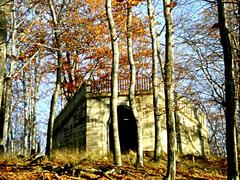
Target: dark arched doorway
127,129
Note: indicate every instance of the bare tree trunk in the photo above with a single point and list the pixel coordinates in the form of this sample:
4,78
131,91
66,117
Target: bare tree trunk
8,104
168,89
9,136
230,111
3,53
238,63
139,159
30,113
177,124
34,110
114,83
25,112
160,58
237,71
157,149
58,82
7,107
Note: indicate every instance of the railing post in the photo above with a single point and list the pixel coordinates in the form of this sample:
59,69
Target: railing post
88,86
100,86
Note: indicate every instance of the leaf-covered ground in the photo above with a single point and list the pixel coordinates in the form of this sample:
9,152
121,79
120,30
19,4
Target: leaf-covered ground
88,168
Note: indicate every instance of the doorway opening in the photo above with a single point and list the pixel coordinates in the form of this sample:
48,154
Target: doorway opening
127,129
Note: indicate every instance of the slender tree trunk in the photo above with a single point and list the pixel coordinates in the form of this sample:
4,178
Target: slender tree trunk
35,107
235,41
7,107
30,121
168,89
9,145
139,162
157,149
25,112
160,58
114,84
8,103
230,111
3,53
177,125
238,75
57,84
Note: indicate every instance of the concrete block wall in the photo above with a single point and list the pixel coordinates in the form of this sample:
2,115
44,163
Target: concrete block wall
84,124
69,131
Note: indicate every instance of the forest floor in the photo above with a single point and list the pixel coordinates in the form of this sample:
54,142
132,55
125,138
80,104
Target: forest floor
93,167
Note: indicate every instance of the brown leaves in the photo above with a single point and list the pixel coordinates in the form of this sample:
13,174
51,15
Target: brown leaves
201,169
216,26
134,2
172,4
130,2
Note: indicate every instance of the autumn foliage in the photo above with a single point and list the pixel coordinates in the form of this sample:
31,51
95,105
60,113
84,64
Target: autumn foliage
83,166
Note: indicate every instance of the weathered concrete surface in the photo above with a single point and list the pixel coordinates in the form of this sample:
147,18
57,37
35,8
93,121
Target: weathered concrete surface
70,124
84,124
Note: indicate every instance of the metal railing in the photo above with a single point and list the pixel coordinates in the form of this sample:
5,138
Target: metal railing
104,86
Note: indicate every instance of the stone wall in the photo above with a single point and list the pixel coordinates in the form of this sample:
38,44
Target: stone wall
84,124
98,116
70,125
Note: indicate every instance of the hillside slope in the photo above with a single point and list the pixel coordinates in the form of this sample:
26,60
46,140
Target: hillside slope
88,168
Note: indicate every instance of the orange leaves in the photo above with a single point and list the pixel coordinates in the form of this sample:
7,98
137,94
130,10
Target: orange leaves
69,87
130,2
23,39
201,169
21,57
95,3
98,31
134,2
172,4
